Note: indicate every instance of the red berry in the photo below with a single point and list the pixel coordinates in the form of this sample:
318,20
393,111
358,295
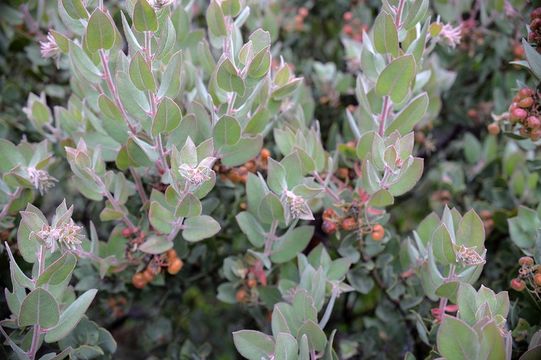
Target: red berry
535,24
525,92
535,13
126,232
328,227
518,284
303,12
518,115
348,16
349,224
533,122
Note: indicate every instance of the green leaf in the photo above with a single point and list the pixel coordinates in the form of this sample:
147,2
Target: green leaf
449,290
100,31
416,12
471,232
31,220
276,176
492,343
38,307
144,17
59,271
260,64
170,81
199,228
226,131
385,35
251,227
442,246
75,9
408,178
140,73
287,89
396,79
156,245
289,245
245,149
316,337
381,198
467,303
533,58
168,117
231,7
253,345
160,217
456,340
228,78
406,119
286,347
215,19
115,125
271,209
71,317
189,206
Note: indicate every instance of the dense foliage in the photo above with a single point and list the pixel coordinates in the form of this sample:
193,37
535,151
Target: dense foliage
275,179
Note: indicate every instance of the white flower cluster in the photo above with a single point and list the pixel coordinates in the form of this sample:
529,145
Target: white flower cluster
49,48
468,256
296,207
68,235
41,179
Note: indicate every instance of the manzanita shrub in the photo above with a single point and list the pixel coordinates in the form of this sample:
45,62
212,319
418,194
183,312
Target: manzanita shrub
218,207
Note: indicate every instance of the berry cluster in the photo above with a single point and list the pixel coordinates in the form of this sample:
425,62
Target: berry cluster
525,111
534,36
173,263
239,175
117,305
353,27
332,222
252,277
529,276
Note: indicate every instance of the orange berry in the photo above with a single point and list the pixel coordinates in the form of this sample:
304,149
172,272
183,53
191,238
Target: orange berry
171,254
378,232
493,129
349,224
525,261
251,283
537,279
526,102
241,295
138,280
175,266
329,214
342,173
148,275
265,154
